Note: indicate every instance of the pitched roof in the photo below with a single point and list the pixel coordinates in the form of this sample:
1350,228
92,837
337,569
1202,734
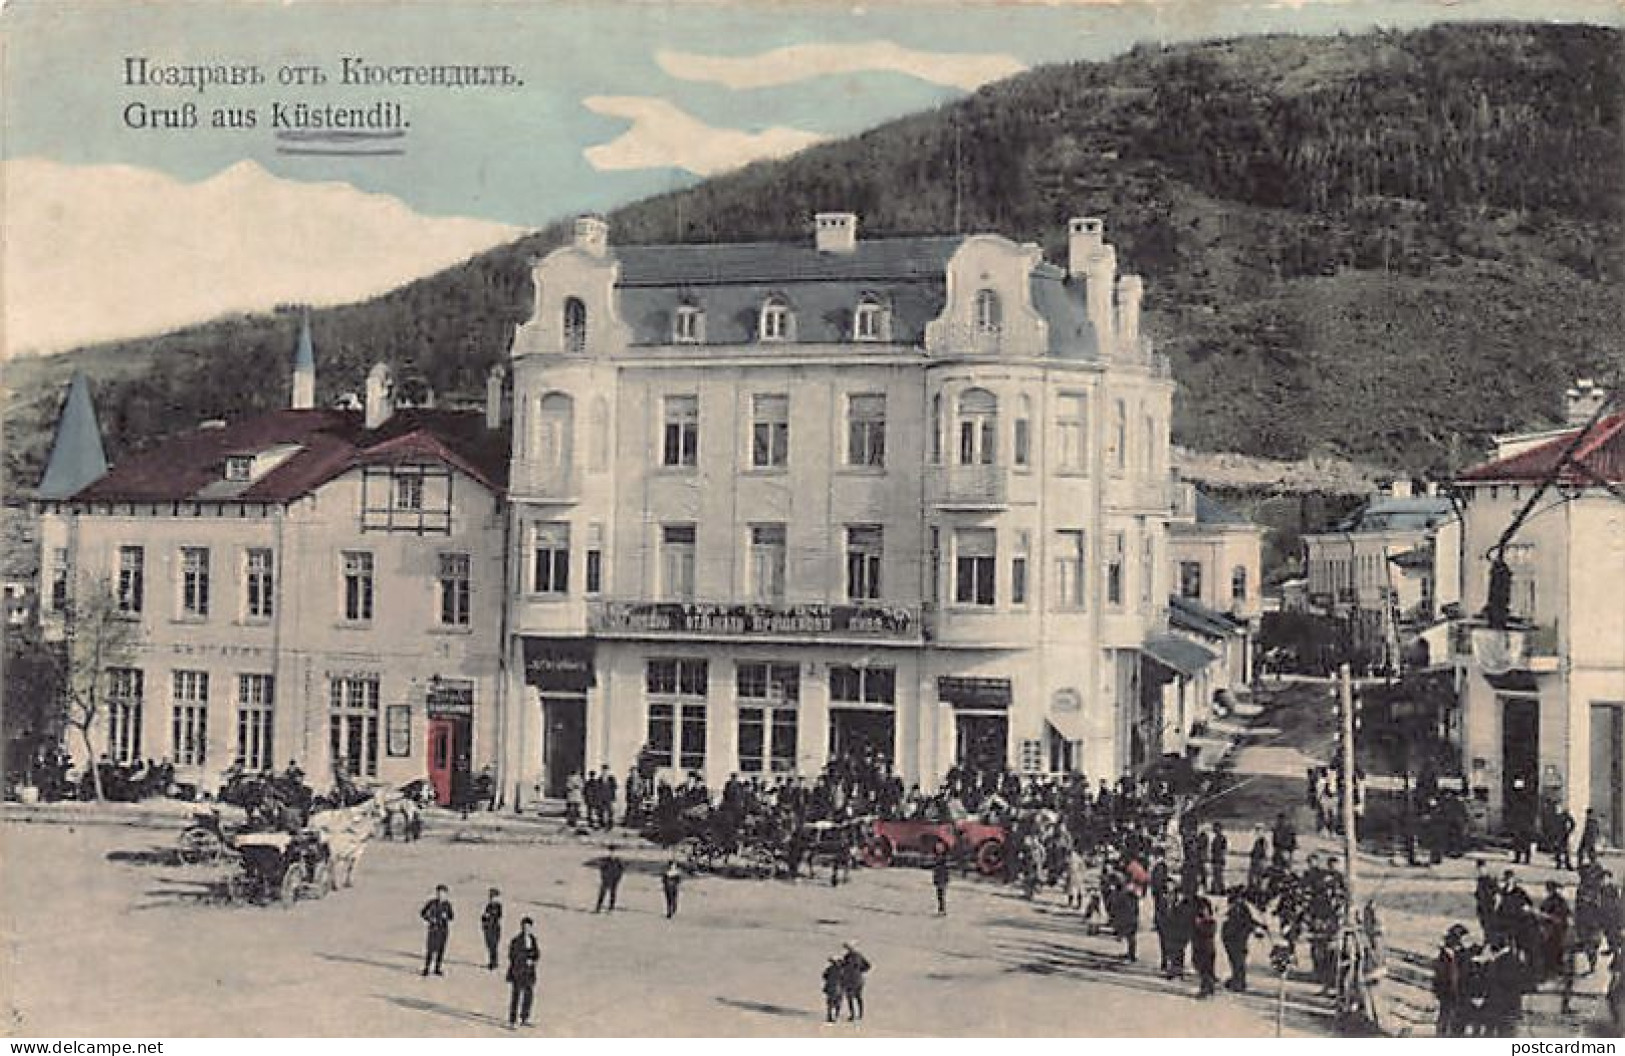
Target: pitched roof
1178,654
77,456
749,263
327,443
1191,615
1415,513
1600,456
1210,511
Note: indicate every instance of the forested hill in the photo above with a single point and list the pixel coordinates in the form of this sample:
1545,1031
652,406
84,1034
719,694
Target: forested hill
1385,246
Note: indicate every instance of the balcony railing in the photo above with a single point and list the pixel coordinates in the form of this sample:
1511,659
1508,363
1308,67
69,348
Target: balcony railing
975,486
811,621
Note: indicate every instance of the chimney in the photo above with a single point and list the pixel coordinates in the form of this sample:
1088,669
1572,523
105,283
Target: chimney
1086,239
592,235
380,395
1582,402
494,383
1400,488
1130,292
304,369
835,232
1102,275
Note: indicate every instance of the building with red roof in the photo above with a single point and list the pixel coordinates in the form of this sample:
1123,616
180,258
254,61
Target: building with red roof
314,584
1543,697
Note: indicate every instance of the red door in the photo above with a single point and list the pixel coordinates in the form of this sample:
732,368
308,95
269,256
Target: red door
442,750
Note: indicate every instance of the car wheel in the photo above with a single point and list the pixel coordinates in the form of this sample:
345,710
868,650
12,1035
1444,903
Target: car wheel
878,852
990,857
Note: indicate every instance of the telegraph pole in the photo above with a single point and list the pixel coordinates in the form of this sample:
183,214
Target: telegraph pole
1345,682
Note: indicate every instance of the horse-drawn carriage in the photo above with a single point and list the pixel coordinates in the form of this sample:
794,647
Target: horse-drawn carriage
261,865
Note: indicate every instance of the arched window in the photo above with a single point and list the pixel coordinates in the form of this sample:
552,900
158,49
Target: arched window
869,322
776,320
978,427
989,312
554,429
575,325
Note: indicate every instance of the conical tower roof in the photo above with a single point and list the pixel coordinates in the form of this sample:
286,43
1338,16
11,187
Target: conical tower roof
77,455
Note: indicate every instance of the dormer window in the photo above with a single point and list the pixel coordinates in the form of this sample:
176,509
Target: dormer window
869,322
575,325
775,321
989,312
687,325
240,467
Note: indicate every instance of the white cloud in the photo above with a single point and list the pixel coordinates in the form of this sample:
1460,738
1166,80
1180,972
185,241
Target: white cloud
801,62
100,252
664,136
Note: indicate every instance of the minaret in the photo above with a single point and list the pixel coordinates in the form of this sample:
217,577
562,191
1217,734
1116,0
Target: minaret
304,369
77,456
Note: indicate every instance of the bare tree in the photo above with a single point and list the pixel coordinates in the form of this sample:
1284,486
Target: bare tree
98,636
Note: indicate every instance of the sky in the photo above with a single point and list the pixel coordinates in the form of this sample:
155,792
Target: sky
612,100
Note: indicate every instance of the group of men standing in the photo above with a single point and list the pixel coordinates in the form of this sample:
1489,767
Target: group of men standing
524,951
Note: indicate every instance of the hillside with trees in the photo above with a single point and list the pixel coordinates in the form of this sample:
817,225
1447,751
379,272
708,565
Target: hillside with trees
1383,247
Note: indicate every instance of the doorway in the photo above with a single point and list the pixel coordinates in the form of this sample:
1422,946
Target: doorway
1520,762
1608,770
564,742
448,759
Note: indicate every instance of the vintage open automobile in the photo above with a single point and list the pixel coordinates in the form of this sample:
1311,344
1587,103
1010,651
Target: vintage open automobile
940,830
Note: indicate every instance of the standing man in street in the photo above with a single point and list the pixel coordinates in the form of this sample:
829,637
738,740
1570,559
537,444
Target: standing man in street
939,880
523,953
854,966
1218,853
671,879
437,914
1239,927
1589,834
1562,840
610,871
1484,897
1123,912
1285,840
1449,978
491,926
606,796
1204,951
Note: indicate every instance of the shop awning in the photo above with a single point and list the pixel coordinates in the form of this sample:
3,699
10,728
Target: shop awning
1180,655
1068,726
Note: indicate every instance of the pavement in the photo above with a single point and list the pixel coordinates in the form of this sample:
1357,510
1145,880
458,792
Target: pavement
743,957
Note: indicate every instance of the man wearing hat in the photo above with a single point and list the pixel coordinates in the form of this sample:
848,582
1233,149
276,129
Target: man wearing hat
854,966
437,914
491,926
1448,976
523,953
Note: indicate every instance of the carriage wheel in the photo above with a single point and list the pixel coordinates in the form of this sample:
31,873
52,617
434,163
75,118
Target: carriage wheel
288,890
321,881
878,852
198,846
990,857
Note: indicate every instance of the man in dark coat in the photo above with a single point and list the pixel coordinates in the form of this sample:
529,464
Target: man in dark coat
1449,977
1239,927
1484,899
1285,840
491,927
854,966
1218,852
437,914
671,881
1506,981
1204,951
939,880
1590,833
1562,840
606,799
523,953
1123,913
610,871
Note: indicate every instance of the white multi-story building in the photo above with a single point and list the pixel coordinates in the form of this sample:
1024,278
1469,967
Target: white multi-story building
309,584
776,503
1544,696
